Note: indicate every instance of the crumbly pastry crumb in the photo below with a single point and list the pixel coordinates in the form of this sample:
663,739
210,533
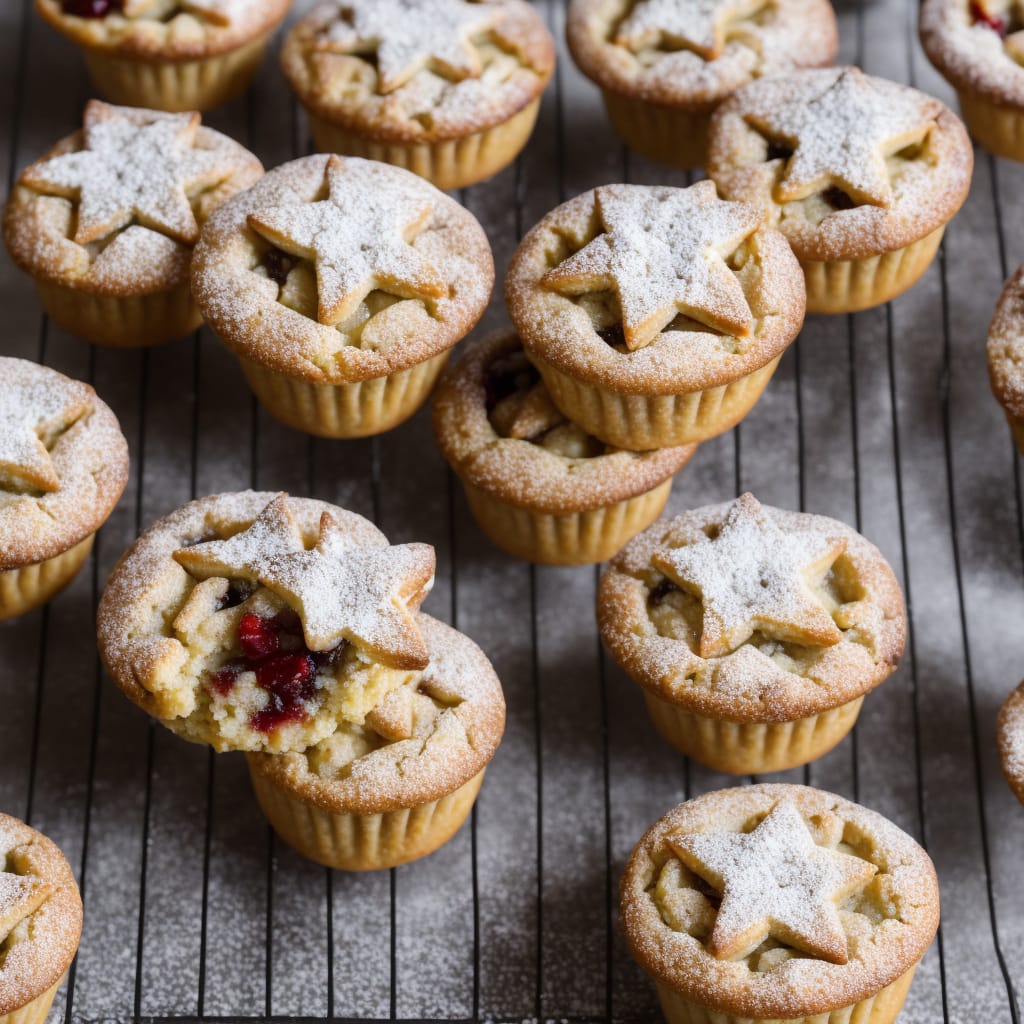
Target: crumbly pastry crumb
497,426
846,165
693,55
1011,740
825,902
116,208
63,463
259,622
40,915
408,280
752,614
406,71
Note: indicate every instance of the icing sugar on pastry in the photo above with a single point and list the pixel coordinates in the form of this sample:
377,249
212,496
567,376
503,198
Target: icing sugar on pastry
663,252
841,128
136,165
698,25
360,238
409,35
753,576
20,896
775,881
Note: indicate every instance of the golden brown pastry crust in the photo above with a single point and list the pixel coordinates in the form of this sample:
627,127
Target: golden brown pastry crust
184,36
1011,740
1006,347
35,963
747,684
90,457
928,187
787,34
557,329
972,56
241,303
343,88
38,227
525,473
440,758
881,950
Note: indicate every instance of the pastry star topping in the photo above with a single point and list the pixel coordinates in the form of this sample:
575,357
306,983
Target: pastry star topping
841,135
775,881
220,12
30,413
367,596
698,25
273,532
409,35
135,166
360,238
20,895
754,576
663,252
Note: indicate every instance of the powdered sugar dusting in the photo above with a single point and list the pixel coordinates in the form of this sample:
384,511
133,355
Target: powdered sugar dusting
699,24
1011,740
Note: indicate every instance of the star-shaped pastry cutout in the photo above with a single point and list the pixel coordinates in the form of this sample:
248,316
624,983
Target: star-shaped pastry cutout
367,596
360,238
775,881
31,412
663,253
755,576
136,166
840,134
273,532
220,12
20,895
698,25
410,35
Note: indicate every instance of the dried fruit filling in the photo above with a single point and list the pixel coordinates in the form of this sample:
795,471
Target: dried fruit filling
90,8
981,16
274,651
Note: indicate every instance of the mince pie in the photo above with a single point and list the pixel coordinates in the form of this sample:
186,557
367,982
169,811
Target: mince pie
105,223
1011,741
1006,355
754,632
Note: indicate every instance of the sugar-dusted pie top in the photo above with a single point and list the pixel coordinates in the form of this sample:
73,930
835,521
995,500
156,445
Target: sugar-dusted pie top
339,269
116,208
63,462
40,914
1011,740
255,621
423,740
978,45
1006,346
777,901
497,426
166,30
655,290
844,164
419,70
693,53
752,614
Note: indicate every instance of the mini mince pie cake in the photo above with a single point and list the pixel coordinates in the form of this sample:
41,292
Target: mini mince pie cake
655,315
754,632
341,284
449,89
1011,741
539,486
664,65
1006,355
168,54
400,784
978,45
63,467
778,903
40,922
259,622
106,221
860,174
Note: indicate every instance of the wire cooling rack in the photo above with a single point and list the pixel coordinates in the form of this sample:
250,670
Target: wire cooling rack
884,419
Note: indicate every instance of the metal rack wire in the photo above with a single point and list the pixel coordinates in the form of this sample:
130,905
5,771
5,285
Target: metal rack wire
883,419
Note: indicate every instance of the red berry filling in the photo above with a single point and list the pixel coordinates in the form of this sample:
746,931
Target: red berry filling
980,16
90,8
274,650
